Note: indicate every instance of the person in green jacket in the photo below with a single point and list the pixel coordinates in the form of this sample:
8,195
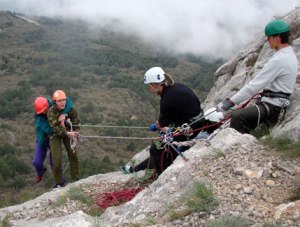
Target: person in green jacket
43,132
62,134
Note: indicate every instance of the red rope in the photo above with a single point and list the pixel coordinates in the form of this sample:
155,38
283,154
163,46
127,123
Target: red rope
162,157
209,126
108,199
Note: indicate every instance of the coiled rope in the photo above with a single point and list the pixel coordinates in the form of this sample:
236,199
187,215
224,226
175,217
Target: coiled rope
108,199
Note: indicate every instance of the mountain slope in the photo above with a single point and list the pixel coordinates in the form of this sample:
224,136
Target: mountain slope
100,70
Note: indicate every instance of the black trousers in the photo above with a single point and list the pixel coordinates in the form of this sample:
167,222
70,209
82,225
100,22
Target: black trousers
146,164
246,119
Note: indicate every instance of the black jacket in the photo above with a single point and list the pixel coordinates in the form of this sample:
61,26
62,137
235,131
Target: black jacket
178,105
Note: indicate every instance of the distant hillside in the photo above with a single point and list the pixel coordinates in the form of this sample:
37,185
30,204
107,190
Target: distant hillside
100,70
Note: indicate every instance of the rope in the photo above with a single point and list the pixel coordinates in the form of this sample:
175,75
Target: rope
118,137
258,118
73,141
167,149
148,174
107,199
183,131
111,126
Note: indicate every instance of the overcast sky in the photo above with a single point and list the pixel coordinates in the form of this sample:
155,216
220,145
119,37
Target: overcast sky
203,27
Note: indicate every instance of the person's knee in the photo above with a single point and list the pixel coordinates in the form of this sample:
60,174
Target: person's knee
153,150
36,163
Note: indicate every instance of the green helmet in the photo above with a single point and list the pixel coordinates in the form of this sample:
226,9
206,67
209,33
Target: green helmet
276,27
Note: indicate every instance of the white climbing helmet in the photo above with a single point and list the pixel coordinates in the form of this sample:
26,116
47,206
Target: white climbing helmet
213,115
154,75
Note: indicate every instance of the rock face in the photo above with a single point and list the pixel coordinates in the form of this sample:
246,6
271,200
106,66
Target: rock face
234,74
248,180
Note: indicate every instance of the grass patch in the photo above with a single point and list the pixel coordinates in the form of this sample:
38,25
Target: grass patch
217,154
97,222
284,145
231,221
134,225
62,200
171,212
271,225
5,222
296,192
77,193
151,220
261,131
201,198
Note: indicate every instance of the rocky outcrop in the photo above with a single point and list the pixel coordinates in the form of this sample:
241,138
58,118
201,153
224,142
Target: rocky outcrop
247,180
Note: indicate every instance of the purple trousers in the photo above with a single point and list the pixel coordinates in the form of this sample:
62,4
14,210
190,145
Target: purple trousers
39,158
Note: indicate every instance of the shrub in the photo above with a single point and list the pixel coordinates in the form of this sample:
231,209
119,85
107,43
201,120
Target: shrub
7,148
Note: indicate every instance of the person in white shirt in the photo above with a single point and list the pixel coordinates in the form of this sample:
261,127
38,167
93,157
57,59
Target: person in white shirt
276,81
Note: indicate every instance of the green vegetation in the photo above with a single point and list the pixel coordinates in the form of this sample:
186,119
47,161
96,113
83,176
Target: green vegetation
284,145
231,221
101,71
78,194
5,222
61,201
218,154
201,198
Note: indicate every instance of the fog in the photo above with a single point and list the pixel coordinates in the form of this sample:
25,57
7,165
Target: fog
215,28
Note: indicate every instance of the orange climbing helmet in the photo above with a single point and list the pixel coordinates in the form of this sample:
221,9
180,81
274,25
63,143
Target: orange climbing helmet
58,95
40,104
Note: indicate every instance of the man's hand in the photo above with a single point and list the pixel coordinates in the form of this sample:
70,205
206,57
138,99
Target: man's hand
62,119
73,134
225,105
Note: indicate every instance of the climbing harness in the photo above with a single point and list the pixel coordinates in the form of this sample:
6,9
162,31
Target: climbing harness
272,94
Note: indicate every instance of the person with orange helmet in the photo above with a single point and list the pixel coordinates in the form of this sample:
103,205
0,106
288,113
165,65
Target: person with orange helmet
43,132
61,111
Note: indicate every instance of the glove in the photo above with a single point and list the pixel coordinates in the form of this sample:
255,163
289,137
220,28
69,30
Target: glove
153,127
225,105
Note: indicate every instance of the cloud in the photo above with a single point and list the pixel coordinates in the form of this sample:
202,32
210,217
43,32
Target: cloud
214,28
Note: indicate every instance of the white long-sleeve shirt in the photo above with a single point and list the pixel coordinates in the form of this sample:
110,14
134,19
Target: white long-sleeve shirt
278,75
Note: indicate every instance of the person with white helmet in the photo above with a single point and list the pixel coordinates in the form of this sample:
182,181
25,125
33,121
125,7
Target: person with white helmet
57,115
276,81
178,105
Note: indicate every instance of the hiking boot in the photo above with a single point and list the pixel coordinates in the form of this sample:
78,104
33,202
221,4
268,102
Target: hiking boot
39,178
126,169
58,185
